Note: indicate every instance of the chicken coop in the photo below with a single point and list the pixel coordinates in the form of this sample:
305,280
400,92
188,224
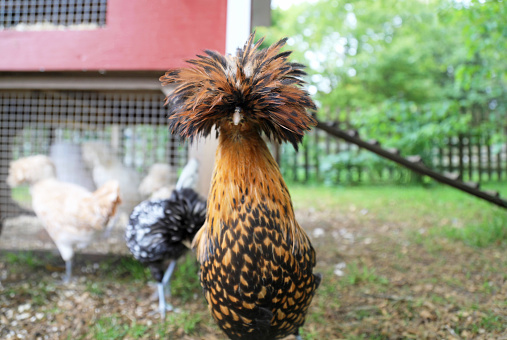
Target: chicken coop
79,83
127,129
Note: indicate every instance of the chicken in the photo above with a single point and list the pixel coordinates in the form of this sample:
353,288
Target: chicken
256,261
190,175
105,166
158,183
72,215
159,230
68,160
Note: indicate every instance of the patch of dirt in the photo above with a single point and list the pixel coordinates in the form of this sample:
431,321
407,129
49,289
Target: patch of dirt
382,280
393,281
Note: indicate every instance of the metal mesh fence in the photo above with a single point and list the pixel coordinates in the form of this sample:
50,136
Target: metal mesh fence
126,131
41,14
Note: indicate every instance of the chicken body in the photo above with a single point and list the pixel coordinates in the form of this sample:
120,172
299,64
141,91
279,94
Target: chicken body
256,261
105,166
158,183
160,229
71,214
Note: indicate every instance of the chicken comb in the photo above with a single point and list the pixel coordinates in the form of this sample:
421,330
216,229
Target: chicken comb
261,82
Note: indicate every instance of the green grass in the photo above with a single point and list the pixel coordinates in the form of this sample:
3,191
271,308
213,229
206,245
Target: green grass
452,213
490,322
186,320
24,258
137,331
35,293
491,231
403,199
109,328
126,268
113,327
358,274
185,281
367,337
95,289
42,292
134,269
310,334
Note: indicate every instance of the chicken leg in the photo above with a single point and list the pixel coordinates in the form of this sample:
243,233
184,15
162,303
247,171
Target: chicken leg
68,271
162,287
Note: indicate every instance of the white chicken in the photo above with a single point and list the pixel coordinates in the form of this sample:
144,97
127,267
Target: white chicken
71,214
105,166
159,182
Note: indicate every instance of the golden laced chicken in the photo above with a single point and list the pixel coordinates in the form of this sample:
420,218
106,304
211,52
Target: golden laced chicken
256,261
71,214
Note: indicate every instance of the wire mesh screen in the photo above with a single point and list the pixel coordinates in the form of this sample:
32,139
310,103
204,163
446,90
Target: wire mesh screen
48,14
90,137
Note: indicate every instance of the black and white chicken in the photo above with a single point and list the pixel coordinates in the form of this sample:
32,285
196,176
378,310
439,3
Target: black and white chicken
159,230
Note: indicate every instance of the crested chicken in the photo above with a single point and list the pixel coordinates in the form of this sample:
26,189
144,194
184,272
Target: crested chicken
256,261
160,229
71,214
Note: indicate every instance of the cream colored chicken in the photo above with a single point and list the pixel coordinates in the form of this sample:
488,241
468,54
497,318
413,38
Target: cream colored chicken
105,166
71,214
159,182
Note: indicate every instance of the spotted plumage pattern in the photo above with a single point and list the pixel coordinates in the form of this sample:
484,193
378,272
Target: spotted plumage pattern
256,261
157,229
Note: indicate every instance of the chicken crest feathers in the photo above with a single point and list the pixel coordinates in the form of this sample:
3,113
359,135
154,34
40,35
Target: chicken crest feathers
260,82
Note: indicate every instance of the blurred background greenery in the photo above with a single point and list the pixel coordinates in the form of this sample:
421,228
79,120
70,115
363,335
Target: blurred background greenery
414,75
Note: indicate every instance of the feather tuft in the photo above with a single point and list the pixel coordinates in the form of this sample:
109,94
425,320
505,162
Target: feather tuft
262,83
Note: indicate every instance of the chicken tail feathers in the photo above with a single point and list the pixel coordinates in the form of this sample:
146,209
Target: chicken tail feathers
260,82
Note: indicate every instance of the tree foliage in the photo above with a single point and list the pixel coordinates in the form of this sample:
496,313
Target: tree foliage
481,76
412,71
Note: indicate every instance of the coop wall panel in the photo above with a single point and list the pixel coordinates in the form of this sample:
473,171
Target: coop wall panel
111,35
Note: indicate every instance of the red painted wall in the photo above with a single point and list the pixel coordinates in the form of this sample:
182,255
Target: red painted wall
139,35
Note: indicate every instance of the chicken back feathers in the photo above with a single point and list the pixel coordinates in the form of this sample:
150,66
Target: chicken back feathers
256,261
157,228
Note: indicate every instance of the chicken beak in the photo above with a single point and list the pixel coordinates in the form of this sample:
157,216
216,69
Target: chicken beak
237,116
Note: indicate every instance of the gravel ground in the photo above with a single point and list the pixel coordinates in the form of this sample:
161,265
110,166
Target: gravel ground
382,280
